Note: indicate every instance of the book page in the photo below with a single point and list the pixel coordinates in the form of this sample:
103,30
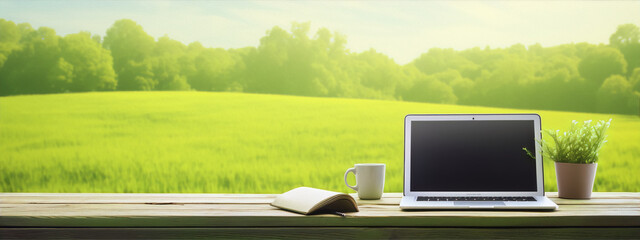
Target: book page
302,199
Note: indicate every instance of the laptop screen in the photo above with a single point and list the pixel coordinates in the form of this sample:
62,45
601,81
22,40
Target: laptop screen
472,156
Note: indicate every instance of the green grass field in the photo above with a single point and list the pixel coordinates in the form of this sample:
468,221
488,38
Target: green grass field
235,142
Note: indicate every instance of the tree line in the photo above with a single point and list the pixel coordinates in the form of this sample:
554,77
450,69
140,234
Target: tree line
570,77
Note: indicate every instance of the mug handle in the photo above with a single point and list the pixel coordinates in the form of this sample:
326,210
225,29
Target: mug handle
353,170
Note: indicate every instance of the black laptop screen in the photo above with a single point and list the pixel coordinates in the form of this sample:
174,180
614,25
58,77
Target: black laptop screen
472,156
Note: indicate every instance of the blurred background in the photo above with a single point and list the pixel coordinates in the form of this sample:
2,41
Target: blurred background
265,96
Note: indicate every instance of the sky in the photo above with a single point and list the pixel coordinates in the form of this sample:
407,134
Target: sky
403,30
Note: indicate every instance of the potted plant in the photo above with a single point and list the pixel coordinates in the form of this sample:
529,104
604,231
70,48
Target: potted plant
575,153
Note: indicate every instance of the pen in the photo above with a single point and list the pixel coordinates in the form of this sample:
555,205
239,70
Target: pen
339,214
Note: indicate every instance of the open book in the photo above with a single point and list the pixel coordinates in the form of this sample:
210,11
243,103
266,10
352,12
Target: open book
307,200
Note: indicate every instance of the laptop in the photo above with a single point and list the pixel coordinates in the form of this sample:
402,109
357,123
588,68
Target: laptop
473,161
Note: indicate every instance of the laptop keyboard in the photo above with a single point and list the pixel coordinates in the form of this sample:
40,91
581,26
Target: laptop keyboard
517,199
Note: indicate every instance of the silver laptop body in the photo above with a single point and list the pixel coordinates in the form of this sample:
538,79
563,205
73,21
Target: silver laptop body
473,161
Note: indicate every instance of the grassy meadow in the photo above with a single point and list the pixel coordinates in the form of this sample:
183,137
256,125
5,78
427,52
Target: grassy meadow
235,142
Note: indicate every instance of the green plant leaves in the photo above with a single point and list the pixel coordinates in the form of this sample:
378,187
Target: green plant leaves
580,144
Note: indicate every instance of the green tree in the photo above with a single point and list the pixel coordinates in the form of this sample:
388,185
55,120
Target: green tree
379,73
486,59
91,64
235,75
131,47
429,89
9,39
330,65
505,85
293,63
627,40
167,70
463,89
137,76
269,70
635,80
37,66
559,85
439,60
600,63
448,76
60,76
573,77
615,96
211,69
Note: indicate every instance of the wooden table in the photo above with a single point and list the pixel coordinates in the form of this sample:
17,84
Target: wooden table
162,216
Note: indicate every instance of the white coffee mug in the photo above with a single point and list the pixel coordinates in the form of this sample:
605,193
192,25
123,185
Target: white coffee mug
369,180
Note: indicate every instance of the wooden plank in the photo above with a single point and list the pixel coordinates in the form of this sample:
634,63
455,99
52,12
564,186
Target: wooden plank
159,217
134,198
604,194
233,210
114,200
315,233
139,195
256,220
388,198
595,201
226,200
233,195
267,210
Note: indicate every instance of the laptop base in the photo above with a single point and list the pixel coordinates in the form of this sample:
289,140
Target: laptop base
541,203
